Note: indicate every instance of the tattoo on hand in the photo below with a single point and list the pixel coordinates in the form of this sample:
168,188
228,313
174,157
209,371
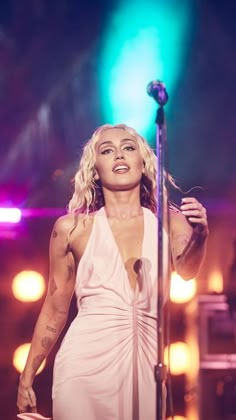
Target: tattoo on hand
51,329
52,287
46,342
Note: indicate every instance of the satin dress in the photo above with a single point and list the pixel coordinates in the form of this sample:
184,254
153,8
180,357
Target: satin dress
104,369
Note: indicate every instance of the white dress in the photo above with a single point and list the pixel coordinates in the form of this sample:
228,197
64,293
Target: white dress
104,369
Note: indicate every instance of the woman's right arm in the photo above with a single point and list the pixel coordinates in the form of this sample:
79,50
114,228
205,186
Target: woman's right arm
54,312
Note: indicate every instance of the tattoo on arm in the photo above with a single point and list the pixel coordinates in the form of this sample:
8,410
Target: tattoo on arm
54,234
37,362
46,342
179,244
62,312
52,287
51,329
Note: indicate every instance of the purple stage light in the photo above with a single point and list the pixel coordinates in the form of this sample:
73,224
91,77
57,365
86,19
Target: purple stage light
10,215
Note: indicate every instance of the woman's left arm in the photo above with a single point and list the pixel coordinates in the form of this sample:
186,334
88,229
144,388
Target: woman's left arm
188,232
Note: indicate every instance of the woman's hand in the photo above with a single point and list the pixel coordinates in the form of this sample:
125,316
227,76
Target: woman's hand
196,215
26,398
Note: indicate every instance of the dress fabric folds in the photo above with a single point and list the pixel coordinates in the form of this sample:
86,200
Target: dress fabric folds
104,369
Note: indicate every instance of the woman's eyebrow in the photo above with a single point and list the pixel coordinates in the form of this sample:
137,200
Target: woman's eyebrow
110,143
104,142
122,141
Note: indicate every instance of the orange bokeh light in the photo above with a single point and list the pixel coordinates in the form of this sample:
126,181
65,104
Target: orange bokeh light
20,356
181,291
28,286
179,358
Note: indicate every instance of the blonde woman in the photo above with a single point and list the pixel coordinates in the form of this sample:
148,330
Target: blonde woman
105,249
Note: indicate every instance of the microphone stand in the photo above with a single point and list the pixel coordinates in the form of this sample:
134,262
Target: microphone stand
157,90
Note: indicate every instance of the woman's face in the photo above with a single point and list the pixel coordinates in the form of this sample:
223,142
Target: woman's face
119,163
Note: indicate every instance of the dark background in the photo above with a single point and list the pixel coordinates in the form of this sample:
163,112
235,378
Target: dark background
48,66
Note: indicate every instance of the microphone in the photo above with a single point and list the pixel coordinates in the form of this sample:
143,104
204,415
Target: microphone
157,90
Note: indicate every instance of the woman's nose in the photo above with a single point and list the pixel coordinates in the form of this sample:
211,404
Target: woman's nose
119,155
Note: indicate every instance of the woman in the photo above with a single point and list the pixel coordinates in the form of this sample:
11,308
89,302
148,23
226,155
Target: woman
105,249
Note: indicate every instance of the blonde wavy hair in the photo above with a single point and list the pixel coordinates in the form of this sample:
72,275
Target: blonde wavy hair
88,196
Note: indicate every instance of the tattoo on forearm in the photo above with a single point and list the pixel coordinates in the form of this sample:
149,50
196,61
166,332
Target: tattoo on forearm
46,342
62,312
52,287
54,234
37,362
51,329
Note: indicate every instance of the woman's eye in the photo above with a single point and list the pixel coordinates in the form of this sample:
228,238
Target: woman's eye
129,148
106,151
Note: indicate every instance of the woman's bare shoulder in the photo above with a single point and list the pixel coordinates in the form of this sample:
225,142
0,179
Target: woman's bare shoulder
175,214
80,221
79,233
63,223
179,222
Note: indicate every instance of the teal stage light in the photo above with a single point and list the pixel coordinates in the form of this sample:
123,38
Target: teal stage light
144,40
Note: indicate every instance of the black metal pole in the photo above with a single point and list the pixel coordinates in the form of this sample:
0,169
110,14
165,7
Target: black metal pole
157,91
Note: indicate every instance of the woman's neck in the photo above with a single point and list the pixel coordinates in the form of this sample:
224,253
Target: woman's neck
122,204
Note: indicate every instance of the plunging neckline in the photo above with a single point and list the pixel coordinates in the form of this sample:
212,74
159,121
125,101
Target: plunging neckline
133,290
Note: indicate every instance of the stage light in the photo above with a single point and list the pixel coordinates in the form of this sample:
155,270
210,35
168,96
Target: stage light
28,286
182,291
20,356
178,418
143,41
215,282
10,215
179,358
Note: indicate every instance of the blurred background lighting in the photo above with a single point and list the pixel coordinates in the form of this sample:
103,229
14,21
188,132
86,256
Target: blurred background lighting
177,418
28,286
143,41
20,356
179,358
215,282
182,291
10,215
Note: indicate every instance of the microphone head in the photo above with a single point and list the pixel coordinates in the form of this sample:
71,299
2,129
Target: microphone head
156,89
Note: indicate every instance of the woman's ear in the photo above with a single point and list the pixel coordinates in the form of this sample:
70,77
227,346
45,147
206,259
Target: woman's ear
95,174
143,170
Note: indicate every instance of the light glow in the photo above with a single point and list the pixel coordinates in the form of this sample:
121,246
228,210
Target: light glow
20,356
216,282
10,215
179,358
144,40
178,418
28,286
182,291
